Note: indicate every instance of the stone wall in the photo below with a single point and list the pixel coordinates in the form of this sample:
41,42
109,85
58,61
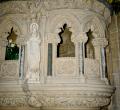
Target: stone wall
114,59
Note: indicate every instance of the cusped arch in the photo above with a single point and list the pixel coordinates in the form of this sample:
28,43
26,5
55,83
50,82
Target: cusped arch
59,20
6,26
98,27
94,23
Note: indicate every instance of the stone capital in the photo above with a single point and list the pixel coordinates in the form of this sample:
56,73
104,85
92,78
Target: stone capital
100,42
53,38
80,38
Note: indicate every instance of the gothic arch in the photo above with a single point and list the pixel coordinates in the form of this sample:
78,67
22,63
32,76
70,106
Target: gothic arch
6,24
95,24
61,19
98,27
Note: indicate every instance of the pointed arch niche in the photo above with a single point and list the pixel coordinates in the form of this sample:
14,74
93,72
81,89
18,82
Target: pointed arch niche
14,66
89,48
71,66
66,47
98,43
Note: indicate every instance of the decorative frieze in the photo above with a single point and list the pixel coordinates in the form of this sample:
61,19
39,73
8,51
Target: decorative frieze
64,99
13,101
38,5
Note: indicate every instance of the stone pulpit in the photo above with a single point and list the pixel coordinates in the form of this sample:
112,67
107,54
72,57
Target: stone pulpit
61,63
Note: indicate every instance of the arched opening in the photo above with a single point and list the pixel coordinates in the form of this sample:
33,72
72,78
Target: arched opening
12,50
89,48
66,47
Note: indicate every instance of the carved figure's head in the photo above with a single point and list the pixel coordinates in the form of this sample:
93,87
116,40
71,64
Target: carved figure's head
34,27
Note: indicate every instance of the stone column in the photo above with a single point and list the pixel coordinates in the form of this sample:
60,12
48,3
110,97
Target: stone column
98,57
99,45
103,62
21,43
81,58
43,48
80,40
21,61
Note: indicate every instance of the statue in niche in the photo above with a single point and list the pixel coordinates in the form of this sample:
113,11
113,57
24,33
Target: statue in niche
33,53
89,48
66,47
12,50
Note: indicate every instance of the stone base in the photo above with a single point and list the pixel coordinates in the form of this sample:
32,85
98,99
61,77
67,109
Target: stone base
54,96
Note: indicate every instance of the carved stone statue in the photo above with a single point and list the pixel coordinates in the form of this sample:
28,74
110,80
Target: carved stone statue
33,53
66,47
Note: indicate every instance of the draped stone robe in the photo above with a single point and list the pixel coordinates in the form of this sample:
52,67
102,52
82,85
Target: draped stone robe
33,54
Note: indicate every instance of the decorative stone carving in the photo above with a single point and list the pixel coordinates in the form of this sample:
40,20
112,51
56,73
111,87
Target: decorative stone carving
32,101
91,68
88,102
33,53
52,38
13,8
94,98
63,89
9,70
75,4
65,66
7,23
12,101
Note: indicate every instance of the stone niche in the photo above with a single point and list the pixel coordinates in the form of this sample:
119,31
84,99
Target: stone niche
9,52
66,47
53,71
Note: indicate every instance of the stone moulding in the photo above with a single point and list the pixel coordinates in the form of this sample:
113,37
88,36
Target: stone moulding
56,96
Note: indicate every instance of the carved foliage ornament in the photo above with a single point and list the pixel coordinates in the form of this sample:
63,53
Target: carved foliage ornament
57,101
36,5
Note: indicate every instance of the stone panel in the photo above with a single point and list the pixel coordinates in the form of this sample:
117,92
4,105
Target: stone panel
65,66
91,68
9,70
